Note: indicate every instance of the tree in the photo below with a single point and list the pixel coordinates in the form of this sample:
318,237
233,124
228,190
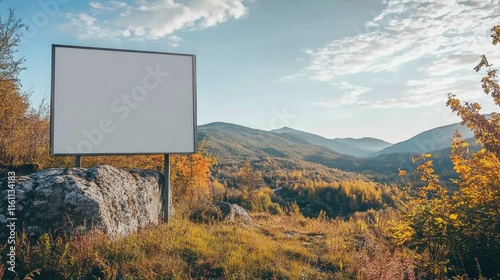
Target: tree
9,42
486,129
460,230
426,219
250,178
14,105
477,203
191,178
476,208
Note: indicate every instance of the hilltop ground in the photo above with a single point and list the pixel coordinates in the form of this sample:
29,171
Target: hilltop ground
277,247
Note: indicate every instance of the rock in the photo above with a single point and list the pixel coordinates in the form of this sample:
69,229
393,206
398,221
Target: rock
233,213
117,202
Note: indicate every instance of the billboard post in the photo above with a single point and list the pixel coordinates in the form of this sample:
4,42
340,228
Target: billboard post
166,193
78,161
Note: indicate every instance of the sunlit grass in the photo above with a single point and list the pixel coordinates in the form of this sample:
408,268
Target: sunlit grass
277,247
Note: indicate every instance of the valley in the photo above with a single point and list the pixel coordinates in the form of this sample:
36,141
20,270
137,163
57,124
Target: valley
287,150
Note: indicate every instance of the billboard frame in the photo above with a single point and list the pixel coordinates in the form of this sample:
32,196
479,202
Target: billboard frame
52,100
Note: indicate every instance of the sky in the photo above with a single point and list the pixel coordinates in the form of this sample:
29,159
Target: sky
336,68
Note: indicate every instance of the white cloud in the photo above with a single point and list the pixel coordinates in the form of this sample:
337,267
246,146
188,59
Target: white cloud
441,37
450,64
350,95
126,33
430,91
407,31
175,40
290,77
95,5
118,4
156,19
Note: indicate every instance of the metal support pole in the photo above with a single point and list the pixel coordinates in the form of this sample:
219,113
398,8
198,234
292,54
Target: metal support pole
78,161
166,192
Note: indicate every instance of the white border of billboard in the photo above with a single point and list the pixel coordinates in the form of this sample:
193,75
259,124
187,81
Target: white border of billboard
113,101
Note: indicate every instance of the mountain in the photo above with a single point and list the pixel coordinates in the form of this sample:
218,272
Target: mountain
271,154
355,147
365,143
231,141
428,141
286,150
294,170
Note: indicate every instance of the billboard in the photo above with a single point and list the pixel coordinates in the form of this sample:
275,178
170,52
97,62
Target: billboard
111,102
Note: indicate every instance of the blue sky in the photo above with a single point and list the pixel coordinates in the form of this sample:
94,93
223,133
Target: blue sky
337,68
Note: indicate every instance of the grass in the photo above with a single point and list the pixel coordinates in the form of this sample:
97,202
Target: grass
277,247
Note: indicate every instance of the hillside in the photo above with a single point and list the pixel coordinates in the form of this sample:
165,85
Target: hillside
297,172
235,143
431,140
270,153
287,151
384,168
355,147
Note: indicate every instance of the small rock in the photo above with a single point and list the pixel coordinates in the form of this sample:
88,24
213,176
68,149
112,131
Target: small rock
233,213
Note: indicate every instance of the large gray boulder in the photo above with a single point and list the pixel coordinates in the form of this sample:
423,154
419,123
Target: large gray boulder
117,202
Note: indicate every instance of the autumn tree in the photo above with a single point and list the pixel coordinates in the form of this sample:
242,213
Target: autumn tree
14,105
486,128
9,43
426,213
476,209
191,178
459,231
249,178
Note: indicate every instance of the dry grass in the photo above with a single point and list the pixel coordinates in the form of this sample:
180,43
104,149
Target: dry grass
278,247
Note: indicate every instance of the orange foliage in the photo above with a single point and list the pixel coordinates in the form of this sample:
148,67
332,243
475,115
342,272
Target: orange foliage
190,177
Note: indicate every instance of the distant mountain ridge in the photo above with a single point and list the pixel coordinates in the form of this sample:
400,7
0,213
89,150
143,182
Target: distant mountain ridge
270,153
287,150
235,141
349,146
431,140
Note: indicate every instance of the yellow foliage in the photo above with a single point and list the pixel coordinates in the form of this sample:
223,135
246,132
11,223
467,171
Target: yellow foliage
462,226
496,34
402,172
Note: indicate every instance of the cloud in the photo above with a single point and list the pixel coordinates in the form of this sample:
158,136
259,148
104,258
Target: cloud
96,5
290,77
350,95
175,40
151,20
440,37
450,64
406,31
430,91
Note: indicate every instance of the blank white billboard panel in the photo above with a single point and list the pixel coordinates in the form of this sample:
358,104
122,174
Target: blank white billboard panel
107,101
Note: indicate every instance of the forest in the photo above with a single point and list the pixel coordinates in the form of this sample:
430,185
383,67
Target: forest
311,222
